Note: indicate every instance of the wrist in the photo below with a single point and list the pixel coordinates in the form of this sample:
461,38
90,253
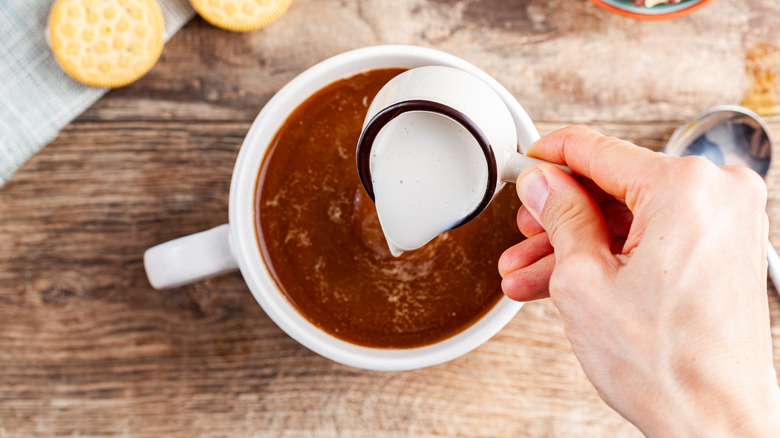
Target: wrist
712,415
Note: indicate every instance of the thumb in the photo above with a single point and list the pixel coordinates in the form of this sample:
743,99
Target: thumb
565,210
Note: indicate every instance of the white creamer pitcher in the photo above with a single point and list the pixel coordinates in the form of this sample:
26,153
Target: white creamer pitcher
438,143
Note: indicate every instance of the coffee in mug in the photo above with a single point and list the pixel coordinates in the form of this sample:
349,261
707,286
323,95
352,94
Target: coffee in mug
303,232
323,244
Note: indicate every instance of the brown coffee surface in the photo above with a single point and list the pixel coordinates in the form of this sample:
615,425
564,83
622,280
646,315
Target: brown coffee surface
322,241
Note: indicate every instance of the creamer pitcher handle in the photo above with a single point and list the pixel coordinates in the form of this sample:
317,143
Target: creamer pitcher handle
190,258
516,162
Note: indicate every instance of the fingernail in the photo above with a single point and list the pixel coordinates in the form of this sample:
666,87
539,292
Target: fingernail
533,190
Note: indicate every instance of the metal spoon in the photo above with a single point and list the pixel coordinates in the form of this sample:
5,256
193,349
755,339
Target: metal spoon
729,135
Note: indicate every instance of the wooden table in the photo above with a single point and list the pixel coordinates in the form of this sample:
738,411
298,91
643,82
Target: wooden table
88,348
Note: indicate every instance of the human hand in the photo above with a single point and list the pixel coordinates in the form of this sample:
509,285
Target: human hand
659,273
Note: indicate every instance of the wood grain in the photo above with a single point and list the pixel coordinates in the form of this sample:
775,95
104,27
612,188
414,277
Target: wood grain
87,348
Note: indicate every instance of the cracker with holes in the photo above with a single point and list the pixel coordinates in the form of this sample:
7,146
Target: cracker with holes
240,15
106,43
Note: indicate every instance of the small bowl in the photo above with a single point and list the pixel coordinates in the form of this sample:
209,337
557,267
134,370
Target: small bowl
627,8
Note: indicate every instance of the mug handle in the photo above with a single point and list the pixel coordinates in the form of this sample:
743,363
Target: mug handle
516,162
190,258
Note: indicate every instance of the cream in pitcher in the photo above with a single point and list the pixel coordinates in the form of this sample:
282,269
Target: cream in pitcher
428,174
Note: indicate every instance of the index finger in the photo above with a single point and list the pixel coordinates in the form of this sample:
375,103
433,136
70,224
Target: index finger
614,165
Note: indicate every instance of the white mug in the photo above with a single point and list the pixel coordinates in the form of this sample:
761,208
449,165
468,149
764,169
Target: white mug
235,245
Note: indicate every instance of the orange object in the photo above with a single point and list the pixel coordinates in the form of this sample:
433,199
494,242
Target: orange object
652,17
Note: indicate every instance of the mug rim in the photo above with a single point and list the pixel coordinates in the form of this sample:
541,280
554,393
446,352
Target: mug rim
243,232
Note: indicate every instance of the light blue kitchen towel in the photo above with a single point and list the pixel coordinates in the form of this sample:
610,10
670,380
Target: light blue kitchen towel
37,98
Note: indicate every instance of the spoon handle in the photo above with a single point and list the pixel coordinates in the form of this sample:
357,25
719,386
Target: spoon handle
774,265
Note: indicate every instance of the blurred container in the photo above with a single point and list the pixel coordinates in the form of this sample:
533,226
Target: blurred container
627,8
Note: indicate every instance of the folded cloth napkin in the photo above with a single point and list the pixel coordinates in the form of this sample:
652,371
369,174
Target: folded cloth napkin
37,98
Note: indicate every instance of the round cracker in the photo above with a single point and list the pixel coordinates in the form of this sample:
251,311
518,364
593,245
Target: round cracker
106,43
240,15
